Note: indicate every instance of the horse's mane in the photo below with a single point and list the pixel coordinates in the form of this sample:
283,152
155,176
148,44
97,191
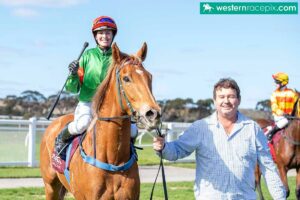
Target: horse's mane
102,88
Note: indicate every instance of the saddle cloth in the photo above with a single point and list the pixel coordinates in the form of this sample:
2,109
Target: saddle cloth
275,139
60,164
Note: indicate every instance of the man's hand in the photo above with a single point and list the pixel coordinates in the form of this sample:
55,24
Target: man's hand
158,143
73,67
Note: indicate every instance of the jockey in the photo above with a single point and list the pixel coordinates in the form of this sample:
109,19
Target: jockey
282,102
86,76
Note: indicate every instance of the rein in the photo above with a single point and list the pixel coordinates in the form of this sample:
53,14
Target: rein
293,117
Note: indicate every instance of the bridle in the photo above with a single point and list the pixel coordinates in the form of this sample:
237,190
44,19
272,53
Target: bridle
121,91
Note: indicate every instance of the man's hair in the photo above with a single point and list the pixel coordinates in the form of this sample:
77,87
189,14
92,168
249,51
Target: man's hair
227,83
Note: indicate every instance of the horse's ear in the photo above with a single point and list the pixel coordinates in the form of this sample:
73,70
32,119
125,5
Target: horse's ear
142,53
116,54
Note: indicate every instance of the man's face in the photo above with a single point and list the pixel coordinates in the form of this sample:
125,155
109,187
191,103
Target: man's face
104,38
226,102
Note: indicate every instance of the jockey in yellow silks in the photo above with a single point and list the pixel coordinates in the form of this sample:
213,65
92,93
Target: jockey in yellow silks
283,100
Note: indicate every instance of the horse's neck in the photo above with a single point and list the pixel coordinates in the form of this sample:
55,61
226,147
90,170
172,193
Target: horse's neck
294,128
113,137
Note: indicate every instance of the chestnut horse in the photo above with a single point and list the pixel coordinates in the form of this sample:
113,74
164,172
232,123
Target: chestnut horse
124,95
287,150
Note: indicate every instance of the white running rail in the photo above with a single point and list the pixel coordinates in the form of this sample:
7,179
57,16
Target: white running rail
31,126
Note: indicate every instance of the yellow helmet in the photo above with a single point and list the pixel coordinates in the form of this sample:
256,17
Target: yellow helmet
281,78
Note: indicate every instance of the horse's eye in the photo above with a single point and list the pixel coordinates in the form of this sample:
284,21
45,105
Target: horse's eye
126,79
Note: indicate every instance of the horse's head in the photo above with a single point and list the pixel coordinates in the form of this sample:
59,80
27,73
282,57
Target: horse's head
132,85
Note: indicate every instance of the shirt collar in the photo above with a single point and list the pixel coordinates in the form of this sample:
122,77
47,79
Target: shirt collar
213,119
108,52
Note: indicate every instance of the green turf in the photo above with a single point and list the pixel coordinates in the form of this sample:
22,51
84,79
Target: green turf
19,172
13,146
180,190
176,190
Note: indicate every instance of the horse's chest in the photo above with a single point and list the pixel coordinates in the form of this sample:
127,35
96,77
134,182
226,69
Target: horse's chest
294,160
99,184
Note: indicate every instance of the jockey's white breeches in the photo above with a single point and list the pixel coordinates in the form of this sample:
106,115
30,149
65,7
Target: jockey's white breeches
82,118
281,121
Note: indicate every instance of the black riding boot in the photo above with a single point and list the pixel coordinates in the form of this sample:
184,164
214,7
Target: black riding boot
272,133
61,142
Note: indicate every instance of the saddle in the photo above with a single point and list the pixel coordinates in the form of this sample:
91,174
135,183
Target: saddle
62,164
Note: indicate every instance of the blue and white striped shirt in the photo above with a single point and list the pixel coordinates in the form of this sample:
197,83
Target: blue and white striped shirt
226,163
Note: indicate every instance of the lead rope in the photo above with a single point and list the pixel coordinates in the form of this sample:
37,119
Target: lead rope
161,164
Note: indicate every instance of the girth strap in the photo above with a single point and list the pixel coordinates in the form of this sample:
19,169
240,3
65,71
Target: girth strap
106,166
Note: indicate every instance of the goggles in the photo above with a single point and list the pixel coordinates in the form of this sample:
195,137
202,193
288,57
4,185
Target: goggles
277,82
104,19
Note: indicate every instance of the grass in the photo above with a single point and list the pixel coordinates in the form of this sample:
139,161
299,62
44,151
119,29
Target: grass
176,190
292,186
19,172
12,146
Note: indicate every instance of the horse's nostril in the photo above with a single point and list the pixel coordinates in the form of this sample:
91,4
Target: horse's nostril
151,114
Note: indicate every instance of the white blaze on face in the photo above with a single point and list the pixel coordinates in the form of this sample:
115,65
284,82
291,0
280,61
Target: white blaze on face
139,71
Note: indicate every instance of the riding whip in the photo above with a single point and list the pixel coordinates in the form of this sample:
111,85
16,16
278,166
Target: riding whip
85,45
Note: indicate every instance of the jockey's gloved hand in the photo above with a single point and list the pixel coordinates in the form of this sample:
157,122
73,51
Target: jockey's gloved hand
286,116
73,67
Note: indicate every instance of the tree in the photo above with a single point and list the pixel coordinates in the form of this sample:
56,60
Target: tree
66,103
31,96
178,103
11,107
205,104
264,105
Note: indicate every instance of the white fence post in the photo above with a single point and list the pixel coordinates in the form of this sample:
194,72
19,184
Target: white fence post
171,136
31,142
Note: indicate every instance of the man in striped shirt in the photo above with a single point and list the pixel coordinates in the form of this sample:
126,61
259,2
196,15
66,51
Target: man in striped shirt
283,100
227,148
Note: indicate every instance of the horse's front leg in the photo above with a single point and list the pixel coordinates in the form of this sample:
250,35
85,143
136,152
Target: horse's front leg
257,182
283,175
